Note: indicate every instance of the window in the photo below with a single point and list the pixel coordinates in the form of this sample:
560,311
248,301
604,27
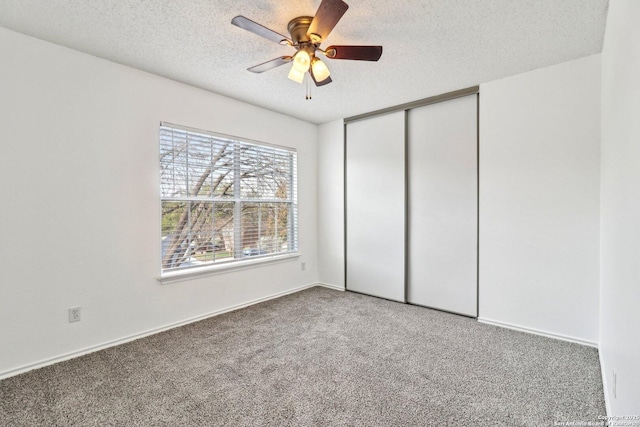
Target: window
224,200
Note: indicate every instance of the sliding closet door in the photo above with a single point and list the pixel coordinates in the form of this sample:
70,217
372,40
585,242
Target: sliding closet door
375,206
442,206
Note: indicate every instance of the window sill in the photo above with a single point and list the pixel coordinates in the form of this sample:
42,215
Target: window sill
209,270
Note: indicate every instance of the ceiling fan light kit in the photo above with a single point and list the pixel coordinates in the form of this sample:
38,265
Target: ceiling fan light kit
296,75
301,61
320,70
307,34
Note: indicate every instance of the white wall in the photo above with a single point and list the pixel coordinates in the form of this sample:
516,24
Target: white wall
331,203
620,225
539,200
80,216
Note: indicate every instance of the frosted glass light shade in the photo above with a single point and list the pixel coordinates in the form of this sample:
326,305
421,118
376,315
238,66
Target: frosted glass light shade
320,70
301,61
296,75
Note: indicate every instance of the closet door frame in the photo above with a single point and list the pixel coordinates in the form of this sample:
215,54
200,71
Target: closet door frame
473,90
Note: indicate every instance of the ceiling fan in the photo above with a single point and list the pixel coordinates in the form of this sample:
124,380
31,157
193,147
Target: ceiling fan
307,34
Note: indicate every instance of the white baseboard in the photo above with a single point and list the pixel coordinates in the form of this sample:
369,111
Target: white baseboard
604,382
539,332
330,286
113,343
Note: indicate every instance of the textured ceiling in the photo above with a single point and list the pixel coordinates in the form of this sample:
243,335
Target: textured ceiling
430,46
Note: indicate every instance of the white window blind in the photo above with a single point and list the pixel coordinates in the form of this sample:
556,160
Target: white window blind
224,199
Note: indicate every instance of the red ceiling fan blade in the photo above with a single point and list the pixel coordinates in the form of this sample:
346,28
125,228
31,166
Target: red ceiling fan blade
358,53
254,27
266,66
327,16
322,83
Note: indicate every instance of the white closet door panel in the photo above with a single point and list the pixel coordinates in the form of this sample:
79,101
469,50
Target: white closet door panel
443,199
375,206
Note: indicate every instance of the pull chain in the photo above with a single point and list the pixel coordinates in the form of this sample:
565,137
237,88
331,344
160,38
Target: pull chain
308,97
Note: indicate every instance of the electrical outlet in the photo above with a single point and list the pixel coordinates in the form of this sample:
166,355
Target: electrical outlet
303,266
74,314
615,384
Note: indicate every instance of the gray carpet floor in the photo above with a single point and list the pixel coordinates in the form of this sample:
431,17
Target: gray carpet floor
318,358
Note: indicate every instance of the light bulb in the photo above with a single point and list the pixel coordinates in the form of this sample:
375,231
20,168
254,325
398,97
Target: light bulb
296,75
320,70
301,61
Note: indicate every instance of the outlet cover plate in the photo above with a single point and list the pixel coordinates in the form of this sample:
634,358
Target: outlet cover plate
74,314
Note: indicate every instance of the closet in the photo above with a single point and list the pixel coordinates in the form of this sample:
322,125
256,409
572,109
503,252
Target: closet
411,203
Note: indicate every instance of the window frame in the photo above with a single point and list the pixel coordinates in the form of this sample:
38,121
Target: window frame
234,262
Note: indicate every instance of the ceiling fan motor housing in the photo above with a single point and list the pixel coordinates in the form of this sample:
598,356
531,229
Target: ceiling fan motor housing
298,28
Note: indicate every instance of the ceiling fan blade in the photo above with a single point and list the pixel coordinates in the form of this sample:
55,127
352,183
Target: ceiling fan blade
358,53
327,16
266,66
254,27
322,83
